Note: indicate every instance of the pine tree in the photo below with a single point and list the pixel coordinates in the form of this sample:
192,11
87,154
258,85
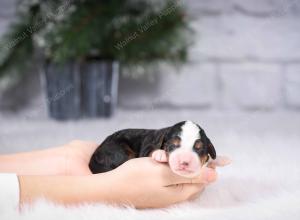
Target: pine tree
130,31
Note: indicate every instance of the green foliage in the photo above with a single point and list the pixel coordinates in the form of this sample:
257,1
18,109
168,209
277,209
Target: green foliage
17,46
131,31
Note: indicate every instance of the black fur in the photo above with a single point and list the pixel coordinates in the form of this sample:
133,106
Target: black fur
208,145
124,145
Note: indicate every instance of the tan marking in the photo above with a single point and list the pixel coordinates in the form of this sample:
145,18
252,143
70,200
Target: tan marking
176,141
198,145
204,159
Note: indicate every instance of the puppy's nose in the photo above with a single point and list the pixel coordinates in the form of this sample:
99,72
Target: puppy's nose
184,163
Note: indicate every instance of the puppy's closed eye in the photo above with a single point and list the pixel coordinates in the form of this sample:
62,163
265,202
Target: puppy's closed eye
173,144
198,145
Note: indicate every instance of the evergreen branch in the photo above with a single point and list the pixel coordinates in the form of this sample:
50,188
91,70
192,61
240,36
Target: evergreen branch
128,31
18,47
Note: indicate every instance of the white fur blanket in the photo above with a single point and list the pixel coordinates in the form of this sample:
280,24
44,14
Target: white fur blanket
262,183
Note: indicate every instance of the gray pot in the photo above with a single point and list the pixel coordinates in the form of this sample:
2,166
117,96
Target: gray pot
63,90
99,81
89,89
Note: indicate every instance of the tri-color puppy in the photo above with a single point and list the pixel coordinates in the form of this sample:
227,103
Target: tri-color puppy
185,146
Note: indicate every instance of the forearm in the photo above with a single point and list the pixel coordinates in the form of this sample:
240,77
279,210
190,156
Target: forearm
33,163
66,190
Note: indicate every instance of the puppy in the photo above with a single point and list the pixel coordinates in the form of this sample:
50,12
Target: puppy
184,146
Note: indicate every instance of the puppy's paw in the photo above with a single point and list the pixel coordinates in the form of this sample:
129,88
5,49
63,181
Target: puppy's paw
159,156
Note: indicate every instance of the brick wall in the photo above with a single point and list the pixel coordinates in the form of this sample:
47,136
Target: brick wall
7,11
246,56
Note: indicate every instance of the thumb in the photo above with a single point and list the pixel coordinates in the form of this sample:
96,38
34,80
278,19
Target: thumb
207,175
220,161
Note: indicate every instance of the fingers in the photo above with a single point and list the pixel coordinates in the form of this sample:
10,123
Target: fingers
220,161
160,156
187,191
191,189
207,175
196,191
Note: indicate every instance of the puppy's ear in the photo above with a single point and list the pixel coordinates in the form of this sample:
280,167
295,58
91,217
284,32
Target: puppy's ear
158,139
211,149
153,142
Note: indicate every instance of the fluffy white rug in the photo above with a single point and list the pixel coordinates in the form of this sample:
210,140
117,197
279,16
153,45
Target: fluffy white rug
262,182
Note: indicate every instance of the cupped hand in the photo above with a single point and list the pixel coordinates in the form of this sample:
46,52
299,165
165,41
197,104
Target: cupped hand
145,183
141,182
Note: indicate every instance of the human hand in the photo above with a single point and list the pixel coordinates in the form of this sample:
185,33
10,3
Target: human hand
76,157
145,183
140,182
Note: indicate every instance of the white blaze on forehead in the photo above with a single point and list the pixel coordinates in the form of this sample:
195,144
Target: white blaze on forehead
189,134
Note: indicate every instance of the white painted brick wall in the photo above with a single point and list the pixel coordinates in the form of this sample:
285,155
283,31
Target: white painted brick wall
7,8
245,46
255,8
251,86
292,86
7,12
191,85
239,37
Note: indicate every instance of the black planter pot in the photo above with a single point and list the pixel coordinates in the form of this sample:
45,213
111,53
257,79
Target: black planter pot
88,89
63,90
99,81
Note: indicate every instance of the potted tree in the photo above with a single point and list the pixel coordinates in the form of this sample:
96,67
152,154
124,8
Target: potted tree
83,44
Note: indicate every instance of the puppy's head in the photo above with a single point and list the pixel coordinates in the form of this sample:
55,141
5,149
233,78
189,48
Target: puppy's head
188,148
